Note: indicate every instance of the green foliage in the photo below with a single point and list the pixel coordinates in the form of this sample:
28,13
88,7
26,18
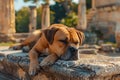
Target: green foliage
74,7
61,15
70,20
6,43
59,11
39,15
88,3
58,14
52,17
22,20
113,44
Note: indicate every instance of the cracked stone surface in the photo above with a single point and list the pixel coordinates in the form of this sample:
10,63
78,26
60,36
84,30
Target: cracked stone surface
88,67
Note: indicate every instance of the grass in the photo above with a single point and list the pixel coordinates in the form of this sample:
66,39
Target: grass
6,43
113,44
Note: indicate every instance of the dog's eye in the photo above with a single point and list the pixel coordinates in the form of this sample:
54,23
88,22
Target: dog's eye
76,43
63,41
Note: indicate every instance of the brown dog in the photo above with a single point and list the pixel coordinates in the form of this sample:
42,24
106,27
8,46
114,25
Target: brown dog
58,39
29,42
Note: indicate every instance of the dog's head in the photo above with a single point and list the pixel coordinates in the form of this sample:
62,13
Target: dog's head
64,41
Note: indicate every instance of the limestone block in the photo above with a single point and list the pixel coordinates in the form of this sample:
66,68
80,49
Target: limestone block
45,16
106,2
98,68
106,47
86,46
107,9
88,51
7,21
33,16
82,22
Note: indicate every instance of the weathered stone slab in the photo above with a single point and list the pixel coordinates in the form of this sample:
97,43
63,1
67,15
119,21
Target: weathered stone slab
99,67
86,46
6,77
99,3
107,47
88,51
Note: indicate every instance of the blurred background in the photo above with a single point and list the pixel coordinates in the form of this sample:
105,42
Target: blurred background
61,11
98,19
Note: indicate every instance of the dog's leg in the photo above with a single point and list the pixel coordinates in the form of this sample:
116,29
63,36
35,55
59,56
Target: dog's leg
28,41
40,46
34,64
49,60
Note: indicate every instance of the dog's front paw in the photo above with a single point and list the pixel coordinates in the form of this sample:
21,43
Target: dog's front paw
21,74
46,63
33,69
49,60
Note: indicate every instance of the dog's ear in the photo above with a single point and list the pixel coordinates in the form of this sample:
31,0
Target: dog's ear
49,34
81,36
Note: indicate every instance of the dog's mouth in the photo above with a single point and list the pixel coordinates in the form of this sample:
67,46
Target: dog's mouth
70,54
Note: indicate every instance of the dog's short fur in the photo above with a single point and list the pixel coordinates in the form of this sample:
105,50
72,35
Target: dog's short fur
58,39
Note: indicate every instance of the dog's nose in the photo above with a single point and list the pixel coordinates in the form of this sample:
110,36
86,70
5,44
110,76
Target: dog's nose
72,49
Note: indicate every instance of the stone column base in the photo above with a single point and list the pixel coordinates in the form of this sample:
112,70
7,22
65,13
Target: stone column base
6,38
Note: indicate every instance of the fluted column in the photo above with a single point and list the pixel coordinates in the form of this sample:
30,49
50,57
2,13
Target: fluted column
93,4
45,16
7,19
82,22
33,16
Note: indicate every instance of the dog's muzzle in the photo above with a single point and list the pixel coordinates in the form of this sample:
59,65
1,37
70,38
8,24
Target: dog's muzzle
71,54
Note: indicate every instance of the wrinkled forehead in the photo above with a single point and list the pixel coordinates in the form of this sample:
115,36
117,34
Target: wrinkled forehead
69,33
62,33
73,35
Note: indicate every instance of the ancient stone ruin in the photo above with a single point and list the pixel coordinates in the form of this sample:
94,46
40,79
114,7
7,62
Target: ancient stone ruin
82,22
94,63
33,22
91,65
45,15
104,16
7,19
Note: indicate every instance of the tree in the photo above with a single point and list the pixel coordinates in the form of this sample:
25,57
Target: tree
22,20
58,14
70,20
59,11
88,3
66,4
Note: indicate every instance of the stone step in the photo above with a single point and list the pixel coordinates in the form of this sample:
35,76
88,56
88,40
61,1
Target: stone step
99,67
21,35
88,51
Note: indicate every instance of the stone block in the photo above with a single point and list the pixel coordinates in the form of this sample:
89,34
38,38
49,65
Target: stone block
98,68
88,51
107,47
